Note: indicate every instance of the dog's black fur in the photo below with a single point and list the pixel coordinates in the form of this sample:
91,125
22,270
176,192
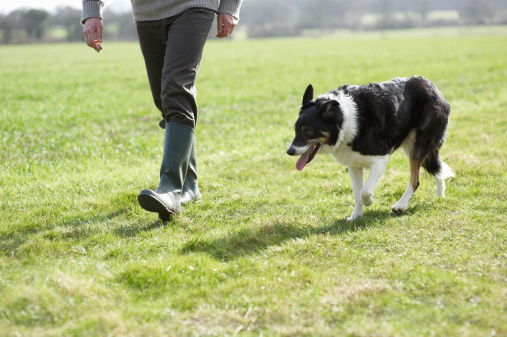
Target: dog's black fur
373,120
386,113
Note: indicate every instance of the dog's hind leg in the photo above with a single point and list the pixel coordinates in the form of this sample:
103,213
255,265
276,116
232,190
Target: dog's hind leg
439,170
444,173
434,133
356,177
376,172
415,165
402,204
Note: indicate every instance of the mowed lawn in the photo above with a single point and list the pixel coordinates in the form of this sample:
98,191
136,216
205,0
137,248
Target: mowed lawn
267,252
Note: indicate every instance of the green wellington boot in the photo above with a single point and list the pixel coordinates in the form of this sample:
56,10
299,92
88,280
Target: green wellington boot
166,199
190,189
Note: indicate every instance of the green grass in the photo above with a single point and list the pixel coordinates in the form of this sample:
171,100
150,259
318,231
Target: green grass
267,252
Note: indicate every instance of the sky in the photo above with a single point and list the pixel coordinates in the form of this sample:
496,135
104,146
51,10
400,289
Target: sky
50,5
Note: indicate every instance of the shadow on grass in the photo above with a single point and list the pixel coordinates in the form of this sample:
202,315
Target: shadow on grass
246,242
63,228
131,231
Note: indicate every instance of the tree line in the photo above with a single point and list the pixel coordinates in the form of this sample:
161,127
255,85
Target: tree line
293,17
36,25
265,18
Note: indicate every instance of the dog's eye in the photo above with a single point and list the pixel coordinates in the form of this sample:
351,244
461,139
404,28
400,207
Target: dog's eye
308,132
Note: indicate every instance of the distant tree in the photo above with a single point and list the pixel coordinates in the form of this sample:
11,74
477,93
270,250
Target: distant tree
260,12
423,8
69,18
34,22
324,14
269,18
120,25
9,24
6,28
386,9
477,11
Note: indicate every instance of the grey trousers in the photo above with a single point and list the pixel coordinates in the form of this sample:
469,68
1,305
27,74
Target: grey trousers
172,50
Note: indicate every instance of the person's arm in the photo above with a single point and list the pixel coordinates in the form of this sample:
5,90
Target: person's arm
228,16
91,17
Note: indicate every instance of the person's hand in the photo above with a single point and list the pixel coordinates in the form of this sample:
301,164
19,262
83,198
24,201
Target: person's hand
93,33
225,24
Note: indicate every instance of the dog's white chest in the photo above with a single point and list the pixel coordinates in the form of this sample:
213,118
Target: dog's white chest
345,156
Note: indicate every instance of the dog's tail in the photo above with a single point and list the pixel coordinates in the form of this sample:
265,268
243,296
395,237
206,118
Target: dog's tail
436,167
445,171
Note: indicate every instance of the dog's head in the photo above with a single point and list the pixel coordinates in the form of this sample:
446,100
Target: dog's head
318,126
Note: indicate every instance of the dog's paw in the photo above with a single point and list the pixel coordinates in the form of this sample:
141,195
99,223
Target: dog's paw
367,199
354,217
398,208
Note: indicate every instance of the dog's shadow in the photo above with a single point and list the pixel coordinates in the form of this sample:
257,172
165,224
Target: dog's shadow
246,242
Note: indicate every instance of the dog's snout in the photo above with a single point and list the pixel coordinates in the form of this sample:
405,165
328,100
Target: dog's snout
291,151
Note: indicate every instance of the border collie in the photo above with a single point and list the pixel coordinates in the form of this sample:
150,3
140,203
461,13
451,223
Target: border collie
361,125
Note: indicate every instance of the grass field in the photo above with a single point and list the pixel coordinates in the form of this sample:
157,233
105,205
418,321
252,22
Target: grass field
267,252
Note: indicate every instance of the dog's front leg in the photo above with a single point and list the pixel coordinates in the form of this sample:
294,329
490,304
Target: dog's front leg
376,172
356,177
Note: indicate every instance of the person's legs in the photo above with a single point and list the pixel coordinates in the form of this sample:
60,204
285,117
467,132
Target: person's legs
186,36
153,42
175,80
172,50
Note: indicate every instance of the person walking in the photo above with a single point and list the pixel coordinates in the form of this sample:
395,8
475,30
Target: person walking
172,34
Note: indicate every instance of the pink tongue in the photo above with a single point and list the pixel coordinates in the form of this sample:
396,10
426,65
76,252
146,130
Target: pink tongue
303,160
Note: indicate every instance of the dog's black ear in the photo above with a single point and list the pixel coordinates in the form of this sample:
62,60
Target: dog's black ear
331,110
308,96
328,106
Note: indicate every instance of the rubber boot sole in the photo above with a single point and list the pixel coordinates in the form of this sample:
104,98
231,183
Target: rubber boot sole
149,201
